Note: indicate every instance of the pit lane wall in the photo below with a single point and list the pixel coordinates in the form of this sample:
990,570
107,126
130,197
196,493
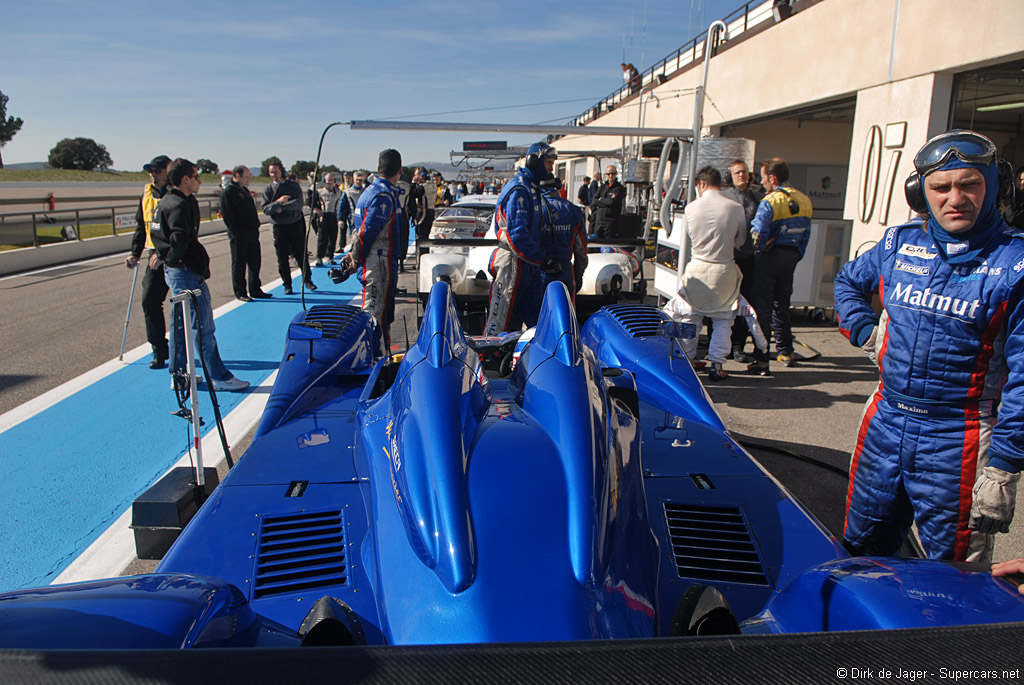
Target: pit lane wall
29,258
890,65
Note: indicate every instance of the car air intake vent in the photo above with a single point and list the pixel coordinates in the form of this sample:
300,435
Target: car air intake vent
638,321
333,317
300,551
713,544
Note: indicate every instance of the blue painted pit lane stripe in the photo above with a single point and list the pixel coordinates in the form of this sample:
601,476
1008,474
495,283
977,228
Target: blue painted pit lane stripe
75,459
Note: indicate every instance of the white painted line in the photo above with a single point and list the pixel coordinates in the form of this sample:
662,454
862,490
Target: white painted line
49,398
114,549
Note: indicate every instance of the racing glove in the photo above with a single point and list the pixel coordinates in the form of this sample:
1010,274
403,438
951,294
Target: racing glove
552,267
868,345
995,494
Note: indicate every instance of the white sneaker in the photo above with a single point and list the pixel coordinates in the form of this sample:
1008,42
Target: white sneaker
233,384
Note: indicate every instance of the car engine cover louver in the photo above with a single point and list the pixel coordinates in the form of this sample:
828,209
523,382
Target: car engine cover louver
300,551
334,318
714,544
637,320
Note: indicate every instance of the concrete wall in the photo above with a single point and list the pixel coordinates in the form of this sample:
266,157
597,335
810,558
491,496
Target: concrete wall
892,122
29,258
897,58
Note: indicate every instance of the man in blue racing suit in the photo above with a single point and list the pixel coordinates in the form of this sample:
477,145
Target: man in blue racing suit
517,290
374,250
941,440
564,239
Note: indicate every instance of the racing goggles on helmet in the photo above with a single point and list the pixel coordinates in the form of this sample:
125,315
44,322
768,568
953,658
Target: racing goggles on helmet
967,146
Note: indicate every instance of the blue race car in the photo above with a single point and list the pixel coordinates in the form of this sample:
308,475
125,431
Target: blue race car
580,487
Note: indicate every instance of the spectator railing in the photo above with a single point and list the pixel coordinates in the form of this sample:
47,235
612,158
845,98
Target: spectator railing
22,229
740,21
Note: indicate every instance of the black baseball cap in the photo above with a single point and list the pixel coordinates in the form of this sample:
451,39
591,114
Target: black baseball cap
157,163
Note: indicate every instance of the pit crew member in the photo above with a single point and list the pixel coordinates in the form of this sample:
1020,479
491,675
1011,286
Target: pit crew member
564,239
941,441
374,255
517,290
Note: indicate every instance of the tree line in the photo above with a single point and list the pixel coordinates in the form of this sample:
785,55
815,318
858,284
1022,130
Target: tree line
87,154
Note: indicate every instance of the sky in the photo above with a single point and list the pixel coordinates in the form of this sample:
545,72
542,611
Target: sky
237,82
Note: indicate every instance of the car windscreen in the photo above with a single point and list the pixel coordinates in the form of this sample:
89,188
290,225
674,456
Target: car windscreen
452,212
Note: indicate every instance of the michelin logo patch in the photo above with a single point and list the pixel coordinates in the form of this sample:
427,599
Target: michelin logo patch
918,269
918,251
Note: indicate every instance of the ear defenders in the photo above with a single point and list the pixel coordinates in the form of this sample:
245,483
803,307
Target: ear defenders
534,162
915,193
536,155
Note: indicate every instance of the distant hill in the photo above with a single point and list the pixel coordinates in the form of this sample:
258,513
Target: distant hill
27,165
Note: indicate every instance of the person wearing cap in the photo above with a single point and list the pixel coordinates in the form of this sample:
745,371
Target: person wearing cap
187,268
940,440
154,289
517,290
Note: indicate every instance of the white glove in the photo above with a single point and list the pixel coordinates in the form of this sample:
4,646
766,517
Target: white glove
995,494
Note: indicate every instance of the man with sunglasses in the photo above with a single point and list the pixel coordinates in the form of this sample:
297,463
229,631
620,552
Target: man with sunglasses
187,267
607,203
939,442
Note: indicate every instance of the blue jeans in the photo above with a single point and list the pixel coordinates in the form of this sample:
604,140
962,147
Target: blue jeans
180,280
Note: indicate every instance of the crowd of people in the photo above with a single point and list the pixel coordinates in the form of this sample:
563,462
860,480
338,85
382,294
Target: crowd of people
362,223
938,447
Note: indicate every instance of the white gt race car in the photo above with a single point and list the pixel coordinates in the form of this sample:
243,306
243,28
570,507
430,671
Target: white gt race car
613,273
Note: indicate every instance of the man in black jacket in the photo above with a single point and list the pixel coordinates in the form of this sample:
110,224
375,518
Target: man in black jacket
583,194
154,288
607,204
243,223
186,267
282,202
749,195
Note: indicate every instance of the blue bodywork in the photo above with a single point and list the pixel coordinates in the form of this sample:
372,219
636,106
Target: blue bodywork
424,499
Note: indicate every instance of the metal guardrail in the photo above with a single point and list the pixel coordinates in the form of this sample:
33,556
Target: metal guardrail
738,22
21,229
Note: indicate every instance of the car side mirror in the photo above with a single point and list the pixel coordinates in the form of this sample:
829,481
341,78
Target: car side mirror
310,330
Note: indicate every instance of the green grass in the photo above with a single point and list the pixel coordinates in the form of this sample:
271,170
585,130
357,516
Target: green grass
50,233
68,175
37,175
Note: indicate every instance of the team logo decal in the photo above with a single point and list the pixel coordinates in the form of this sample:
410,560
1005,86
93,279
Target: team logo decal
914,298
917,251
889,237
918,269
